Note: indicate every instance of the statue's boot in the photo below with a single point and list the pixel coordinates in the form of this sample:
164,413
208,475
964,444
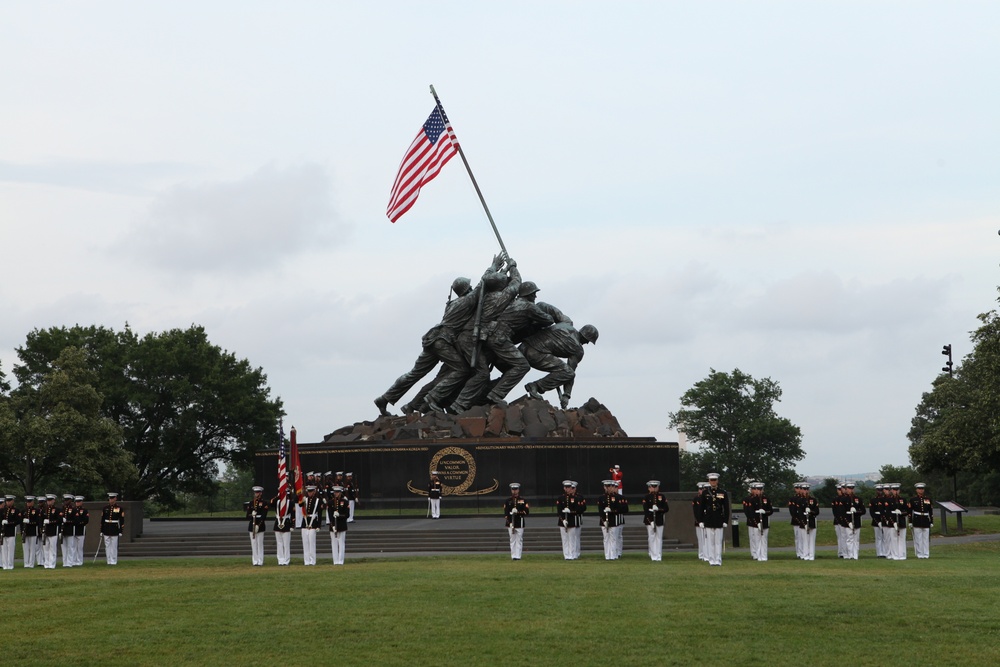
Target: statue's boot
382,403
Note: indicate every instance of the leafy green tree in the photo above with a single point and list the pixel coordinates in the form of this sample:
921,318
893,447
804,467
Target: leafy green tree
53,432
956,427
183,404
731,415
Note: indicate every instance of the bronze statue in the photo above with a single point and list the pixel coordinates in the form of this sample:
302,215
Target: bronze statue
546,350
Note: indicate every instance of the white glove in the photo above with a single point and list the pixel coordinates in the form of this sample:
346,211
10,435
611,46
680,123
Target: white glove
24,521
725,525
336,515
513,511
701,525
45,523
253,514
654,508
807,511
761,511
896,512
854,511
607,510
566,511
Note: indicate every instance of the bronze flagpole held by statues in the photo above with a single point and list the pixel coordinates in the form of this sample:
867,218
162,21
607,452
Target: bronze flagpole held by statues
461,153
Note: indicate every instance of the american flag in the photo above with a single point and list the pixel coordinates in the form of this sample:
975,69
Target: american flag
434,145
282,476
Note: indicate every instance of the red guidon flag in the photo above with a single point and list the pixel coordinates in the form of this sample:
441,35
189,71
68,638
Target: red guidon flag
434,145
296,469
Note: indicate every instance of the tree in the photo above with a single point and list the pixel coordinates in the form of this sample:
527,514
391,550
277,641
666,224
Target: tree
53,432
732,416
957,424
183,404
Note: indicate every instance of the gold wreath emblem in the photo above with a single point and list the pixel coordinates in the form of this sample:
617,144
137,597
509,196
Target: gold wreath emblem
463,488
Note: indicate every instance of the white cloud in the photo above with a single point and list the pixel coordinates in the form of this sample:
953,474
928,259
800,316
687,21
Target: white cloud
239,226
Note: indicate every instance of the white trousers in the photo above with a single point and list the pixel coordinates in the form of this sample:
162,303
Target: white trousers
570,542
567,542
713,545
841,543
111,549
79,548
897,543
805,543
284,542
49,555
654,541
852,539
619,540
699,532
879,542
435,507
31,551
68,547
338,544
517,542
309,546
758,542
257,547
7,552
350,517
922,542
610,543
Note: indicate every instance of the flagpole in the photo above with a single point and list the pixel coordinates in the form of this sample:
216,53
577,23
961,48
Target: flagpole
461,153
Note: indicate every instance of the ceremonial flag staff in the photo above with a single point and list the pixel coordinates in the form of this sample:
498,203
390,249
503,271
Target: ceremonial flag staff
461,154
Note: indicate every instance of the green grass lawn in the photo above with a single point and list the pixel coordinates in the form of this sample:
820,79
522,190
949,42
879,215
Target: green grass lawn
488,610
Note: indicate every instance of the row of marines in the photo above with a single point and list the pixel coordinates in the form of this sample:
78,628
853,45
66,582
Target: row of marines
44,527
570,507
889,511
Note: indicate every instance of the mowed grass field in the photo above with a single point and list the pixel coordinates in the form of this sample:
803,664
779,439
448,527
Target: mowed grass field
488,610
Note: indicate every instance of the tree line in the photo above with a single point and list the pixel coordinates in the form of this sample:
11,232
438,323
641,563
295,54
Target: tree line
92,409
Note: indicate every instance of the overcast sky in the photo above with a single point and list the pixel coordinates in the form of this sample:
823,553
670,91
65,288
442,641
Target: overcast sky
805,191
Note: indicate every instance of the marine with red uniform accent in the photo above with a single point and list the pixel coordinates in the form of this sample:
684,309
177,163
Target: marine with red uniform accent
569,510
312,518
896,514
654,508
853,510
256,511
699,526
875,509
338,510
715,510
434,492
79,518
758,509
10,519
616,476
50,531
922,520
31,532
112,527
352,493
611,509
515,509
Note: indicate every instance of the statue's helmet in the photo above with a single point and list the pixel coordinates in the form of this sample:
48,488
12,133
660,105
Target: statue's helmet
461,286
495,280
589,333
527,289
